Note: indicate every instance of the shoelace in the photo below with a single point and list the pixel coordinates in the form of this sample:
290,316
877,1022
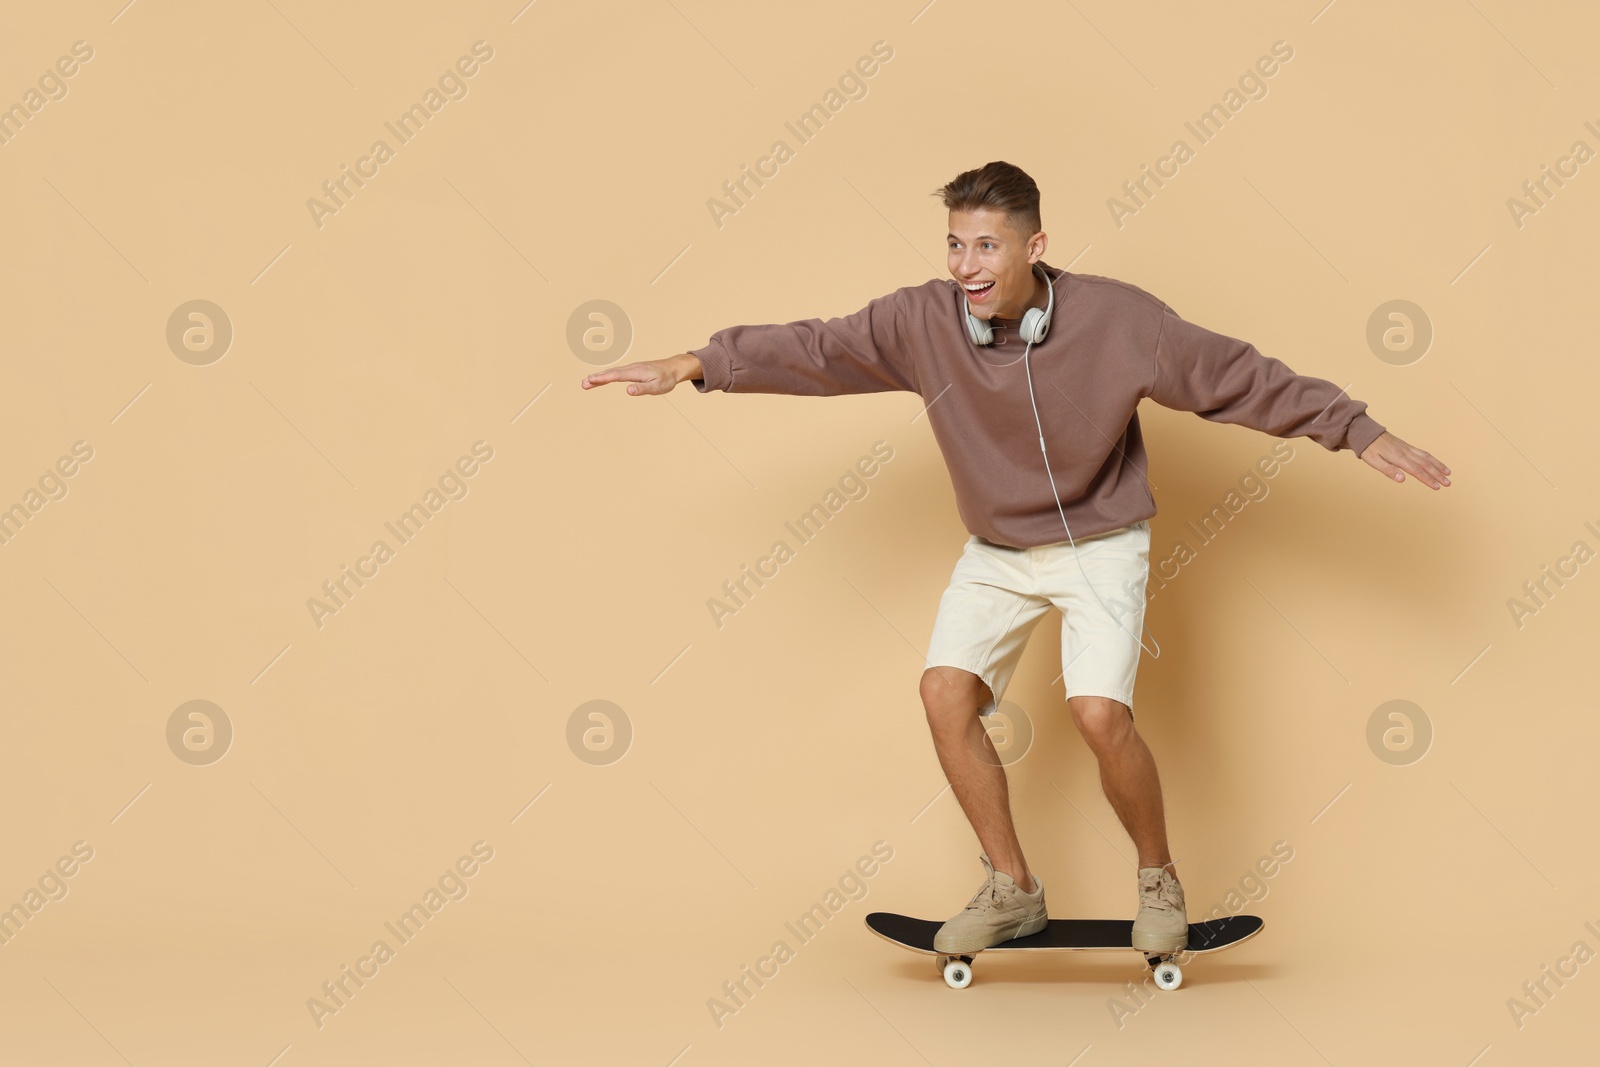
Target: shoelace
987,896
1165,892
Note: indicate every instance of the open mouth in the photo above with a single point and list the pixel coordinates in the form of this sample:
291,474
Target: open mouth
977,290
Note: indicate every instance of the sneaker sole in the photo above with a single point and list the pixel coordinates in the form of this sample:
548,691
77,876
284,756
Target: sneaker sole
1030,926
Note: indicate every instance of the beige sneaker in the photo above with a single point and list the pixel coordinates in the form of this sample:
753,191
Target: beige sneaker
1162,925
998,912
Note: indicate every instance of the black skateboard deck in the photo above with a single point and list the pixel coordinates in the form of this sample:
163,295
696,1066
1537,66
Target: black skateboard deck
1063,935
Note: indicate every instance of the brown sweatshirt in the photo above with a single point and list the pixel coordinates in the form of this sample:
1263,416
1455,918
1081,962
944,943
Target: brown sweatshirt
1110,345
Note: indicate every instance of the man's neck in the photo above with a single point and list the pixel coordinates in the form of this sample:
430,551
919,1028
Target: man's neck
1040,299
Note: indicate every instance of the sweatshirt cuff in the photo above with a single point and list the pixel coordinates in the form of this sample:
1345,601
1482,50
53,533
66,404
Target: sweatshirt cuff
1363,430
715,369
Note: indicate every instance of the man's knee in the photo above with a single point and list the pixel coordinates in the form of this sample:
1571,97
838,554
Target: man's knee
1103,722
952,697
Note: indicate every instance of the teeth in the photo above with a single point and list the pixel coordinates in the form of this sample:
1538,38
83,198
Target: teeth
974,287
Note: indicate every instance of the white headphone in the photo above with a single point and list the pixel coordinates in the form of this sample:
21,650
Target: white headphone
1035,325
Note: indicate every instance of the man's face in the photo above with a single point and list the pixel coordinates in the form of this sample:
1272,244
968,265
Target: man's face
993,262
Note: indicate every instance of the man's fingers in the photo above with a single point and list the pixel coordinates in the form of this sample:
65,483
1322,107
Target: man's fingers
627,373
1428,469
1422,470
640,384
1395,459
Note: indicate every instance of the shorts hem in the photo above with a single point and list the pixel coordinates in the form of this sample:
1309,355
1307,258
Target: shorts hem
1119,695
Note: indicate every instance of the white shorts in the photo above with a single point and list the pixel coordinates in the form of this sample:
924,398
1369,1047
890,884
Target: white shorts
998,594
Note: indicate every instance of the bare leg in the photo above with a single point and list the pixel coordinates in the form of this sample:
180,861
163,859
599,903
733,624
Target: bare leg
1127,774
951,697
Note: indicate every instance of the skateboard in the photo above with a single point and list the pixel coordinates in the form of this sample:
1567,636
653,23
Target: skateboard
1066,935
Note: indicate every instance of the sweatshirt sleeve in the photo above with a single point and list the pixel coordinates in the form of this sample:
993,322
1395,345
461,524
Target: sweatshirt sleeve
858,353
1227,380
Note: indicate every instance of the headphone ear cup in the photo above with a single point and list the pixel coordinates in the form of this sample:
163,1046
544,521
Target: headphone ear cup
979,330
1036,321
1035,324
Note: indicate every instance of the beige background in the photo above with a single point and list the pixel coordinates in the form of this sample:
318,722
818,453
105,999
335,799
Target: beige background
432,310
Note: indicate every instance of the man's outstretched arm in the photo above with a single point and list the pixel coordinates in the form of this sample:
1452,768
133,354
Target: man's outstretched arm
857,353
1227,380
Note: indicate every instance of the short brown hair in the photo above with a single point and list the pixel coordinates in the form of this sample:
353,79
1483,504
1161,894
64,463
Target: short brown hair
998,185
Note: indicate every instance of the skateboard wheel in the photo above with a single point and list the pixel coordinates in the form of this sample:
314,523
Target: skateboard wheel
1169,976
957,973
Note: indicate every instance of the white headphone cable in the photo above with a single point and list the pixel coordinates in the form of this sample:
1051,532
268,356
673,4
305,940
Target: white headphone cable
1057,495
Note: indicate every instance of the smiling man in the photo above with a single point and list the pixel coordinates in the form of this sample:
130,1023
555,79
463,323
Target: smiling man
1049,480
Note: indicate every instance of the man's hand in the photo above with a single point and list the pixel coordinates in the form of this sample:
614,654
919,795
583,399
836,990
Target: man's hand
1391,455
653,376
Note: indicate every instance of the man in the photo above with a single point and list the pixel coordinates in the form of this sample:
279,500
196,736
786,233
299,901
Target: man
1033,459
